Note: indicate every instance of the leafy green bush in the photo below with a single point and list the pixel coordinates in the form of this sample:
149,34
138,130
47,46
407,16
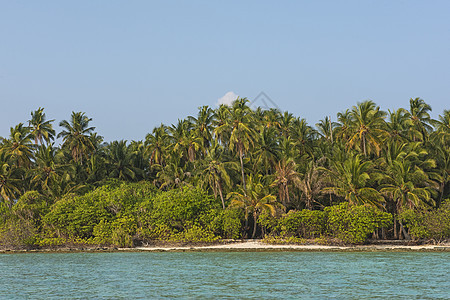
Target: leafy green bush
353,223
31,207
18,234
304,223
227,223
105,209
179,215
428,224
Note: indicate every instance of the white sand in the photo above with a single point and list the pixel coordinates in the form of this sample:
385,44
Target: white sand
257,245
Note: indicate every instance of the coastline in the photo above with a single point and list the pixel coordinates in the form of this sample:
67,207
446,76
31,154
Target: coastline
247,246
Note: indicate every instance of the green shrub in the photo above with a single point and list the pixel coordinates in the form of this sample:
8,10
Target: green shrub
304,223
194,233
227,223
354,223
428,224
78,216
18,234
31,206
179,215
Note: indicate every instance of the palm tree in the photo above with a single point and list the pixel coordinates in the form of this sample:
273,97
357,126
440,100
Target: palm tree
47,171
173,174
303,135
420,118
214,172
76,136
119,161
286,122
349,179
156,143
343,126
240,130
254,199
267,150
41,130
367,123
203,125
9,180
184,140
443,128
139,159
402,180
19,146
398,126
312,182
271,118
326,128
221,119
285,176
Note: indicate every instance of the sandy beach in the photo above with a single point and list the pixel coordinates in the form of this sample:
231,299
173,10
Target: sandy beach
256,245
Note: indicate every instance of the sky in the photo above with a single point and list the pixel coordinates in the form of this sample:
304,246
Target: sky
132,65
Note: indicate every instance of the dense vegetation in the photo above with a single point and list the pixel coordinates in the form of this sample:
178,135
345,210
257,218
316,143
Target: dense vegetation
228,173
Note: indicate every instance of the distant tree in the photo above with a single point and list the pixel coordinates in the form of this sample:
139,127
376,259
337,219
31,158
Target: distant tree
76,136
41,129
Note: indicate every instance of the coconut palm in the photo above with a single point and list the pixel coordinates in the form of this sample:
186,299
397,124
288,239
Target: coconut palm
443,128
312,182
271,118
239,128
119,161
76,136
184,140
19,146
286,175
420,118
367,128
398,125
349,179
10,181
325,128
221,119
254,199
302,135
173,174
47,171
203,125
157,143
41,129
267,150
343,126
214,172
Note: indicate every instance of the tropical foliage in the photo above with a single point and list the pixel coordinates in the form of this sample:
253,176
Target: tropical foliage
227,172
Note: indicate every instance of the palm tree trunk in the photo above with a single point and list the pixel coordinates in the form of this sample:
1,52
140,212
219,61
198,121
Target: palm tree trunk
364,144
221,195
395,227
241,154
255,218
405,233
441,194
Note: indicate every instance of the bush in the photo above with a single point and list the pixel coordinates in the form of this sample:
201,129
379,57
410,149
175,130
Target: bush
179,215
105,209
227,223
18,234
428,224
304,223
31,207
354,223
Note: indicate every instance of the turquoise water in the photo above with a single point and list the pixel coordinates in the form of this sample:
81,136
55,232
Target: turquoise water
244,275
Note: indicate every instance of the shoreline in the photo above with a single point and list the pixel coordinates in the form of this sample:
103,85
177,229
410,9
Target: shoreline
247,246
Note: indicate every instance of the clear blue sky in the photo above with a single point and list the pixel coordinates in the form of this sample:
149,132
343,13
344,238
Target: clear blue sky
131,65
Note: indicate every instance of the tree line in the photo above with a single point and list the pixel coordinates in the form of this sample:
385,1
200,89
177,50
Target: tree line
264,163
